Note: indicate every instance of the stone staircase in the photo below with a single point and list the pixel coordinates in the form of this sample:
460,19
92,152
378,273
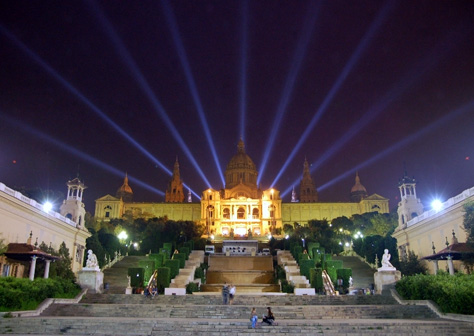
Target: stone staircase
116,276
120,314
204,314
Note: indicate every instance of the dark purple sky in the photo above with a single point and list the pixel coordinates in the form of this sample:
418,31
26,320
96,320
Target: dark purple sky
351,85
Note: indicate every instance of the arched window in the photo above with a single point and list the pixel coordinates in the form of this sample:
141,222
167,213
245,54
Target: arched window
255,213
226,213
241,213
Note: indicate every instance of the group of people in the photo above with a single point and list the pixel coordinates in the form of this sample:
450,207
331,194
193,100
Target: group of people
268,318
228,293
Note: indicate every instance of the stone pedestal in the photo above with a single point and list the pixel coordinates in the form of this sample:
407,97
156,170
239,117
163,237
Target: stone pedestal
92,279
384,277
128,290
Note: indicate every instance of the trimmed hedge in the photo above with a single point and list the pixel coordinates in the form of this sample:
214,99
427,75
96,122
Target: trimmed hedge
287,287
173,265
185,250
163,279
157,258
148,267
165,253
296,251
453,294
182,259
302,256
168,247
332,272
316,279
189,244
192,287
136,276
24,294
305,266
337,264
199,274
311,247
344,274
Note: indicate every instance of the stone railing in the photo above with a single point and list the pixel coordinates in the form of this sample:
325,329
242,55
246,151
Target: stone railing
18,195
449,203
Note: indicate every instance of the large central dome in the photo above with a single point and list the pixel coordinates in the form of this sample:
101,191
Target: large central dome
241,169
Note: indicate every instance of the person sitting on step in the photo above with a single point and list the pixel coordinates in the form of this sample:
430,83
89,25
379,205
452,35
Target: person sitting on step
269,318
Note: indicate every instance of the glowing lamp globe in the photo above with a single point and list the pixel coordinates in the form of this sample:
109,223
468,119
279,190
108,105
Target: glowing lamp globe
437,205
47,206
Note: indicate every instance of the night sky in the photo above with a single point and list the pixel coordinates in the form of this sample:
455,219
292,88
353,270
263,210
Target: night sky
108,87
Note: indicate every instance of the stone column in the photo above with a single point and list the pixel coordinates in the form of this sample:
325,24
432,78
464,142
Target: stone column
435,266
46,269
450,265
33,267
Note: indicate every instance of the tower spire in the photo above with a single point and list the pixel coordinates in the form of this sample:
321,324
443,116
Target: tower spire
308,192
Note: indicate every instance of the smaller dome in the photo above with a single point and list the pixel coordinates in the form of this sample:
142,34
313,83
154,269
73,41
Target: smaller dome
358,187
125,192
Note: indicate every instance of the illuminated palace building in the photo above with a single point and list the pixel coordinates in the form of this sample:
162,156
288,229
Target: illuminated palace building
242,207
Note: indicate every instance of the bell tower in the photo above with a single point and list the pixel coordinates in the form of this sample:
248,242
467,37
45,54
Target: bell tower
409,206
308,192
174,193
72,206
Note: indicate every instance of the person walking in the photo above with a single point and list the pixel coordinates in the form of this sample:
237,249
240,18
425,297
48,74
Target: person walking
231,293
254,318
225,294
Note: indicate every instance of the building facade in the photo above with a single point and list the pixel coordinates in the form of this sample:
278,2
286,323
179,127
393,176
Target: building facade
241,207
22,218
426,233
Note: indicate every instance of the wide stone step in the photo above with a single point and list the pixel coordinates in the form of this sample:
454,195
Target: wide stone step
184,327
245,300
241,312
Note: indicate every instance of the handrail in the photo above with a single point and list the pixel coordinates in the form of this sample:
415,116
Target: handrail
328,285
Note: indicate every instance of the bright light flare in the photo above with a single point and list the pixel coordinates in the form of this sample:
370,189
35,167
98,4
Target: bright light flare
437,205
47,206
122,235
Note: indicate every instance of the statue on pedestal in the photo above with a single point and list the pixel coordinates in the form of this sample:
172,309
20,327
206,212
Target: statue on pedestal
386,264
92,262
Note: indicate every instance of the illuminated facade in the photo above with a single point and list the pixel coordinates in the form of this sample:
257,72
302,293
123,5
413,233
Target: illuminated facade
22,217
426,233
242,207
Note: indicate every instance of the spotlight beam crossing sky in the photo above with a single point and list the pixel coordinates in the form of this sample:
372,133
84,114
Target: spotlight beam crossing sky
113,88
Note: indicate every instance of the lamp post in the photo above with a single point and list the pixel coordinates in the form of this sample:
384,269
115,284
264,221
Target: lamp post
435,262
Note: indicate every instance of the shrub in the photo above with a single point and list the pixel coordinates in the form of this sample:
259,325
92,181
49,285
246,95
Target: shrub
332,272
148,268
453,294
344,274
316,279
296,251
311,247
13,297
185,250
334,263
163,279
302,256
199,274
192,287
168,247
287,287
158,258
136,276
173,265
305,266
189,244
182,259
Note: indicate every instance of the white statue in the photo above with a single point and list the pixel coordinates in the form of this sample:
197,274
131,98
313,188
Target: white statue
129,281
386,264
91,260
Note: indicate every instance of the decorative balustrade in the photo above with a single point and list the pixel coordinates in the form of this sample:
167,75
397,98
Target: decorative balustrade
449,203
18,195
